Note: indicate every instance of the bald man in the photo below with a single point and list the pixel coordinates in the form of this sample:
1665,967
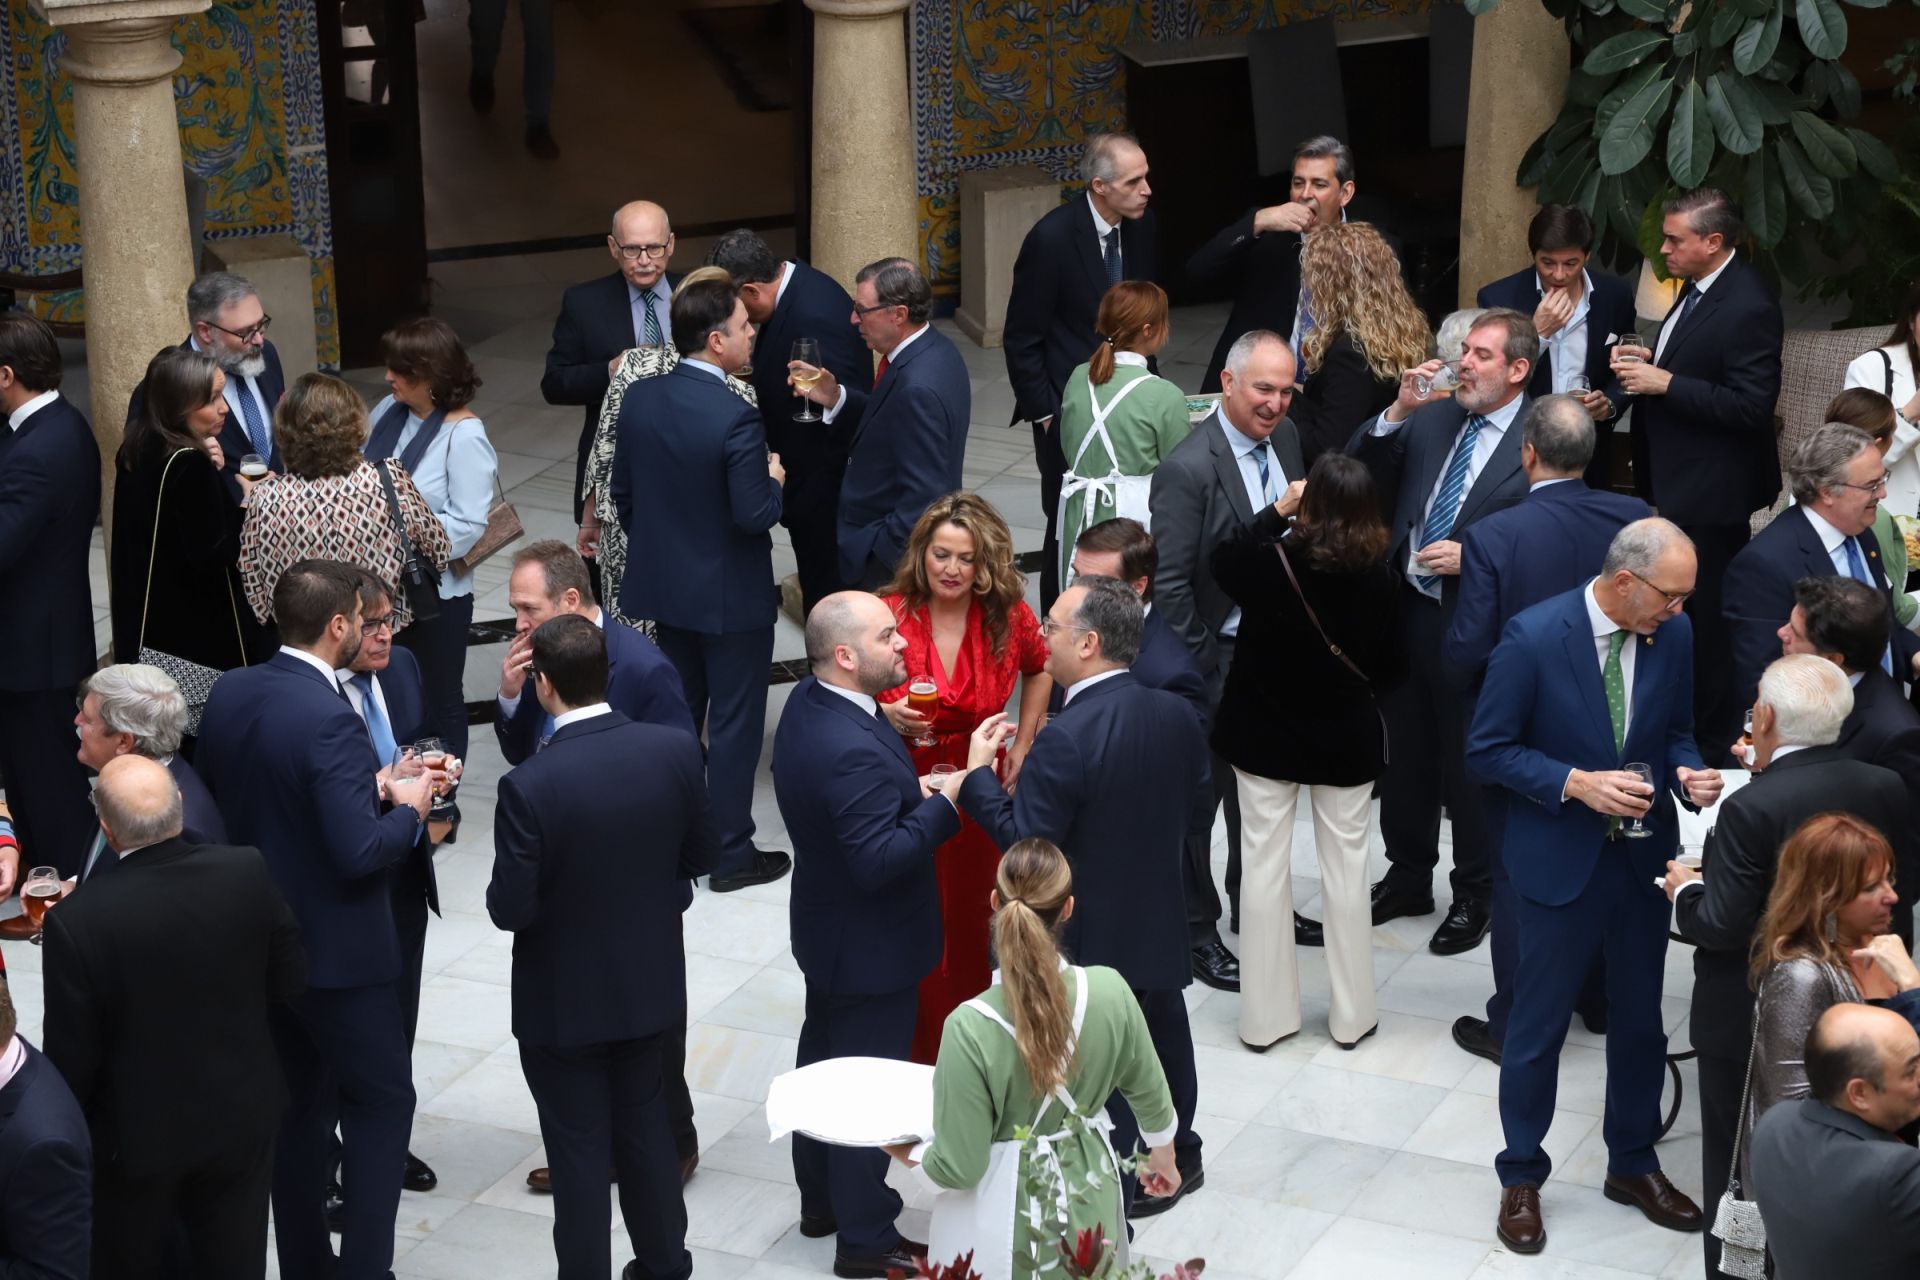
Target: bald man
603,318
1832,1177
158,983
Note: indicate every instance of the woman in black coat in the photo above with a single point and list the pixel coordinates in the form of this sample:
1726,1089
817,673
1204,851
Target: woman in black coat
1296,714
176,529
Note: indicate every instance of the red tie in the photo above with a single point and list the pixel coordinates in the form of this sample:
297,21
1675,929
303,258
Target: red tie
880,371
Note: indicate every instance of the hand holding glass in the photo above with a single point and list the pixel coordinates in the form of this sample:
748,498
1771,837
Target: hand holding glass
253,466
923,696
1446,378
1636,828
40,891
807,352
1630,349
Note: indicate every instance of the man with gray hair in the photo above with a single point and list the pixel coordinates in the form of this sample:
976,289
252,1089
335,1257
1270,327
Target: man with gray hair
1838,479
1067,262
1799,772
134,709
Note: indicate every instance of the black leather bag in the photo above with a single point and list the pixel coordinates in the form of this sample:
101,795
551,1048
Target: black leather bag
418,578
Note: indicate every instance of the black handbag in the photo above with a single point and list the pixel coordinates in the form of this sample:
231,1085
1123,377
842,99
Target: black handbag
418,578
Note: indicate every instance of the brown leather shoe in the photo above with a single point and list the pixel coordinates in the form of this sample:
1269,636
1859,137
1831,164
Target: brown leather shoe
1519,1226
1664,1204
539,1180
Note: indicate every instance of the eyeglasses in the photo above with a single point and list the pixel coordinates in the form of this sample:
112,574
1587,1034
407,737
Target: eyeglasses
635,252
878,306
247,334
1876,485
1674,599
370,626
1048,626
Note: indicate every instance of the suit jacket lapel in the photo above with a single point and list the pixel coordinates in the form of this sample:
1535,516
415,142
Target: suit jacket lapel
871,723
1813,552
1702,309
1502,465
1585,664
1225,467
1089,241
619,317
1870,552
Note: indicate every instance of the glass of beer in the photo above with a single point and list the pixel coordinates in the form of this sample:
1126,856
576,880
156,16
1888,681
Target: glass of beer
1578,385
432,753
253,466
1630,349
1445,378
942,774
807,352
923,696
40,890
1636,828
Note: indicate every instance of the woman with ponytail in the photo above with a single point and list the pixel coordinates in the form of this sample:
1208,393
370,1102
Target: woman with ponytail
1117,419
1039,1051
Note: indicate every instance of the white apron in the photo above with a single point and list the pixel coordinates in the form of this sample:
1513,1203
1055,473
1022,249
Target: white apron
981,1219
1130,495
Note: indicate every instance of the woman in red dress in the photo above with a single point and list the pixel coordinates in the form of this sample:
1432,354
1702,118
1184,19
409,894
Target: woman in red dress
968,629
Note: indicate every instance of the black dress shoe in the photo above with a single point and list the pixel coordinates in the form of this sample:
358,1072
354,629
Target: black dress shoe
1216,966
540,142
874,1266
1308,933
767,866
336,1208
1146,1206
1595,1020
1354,1044
1390,903
480,91
1465,925
815,1225
1233,922
1471,1034
418,1176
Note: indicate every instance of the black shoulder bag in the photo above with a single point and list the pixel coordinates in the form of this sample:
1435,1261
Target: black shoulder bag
418,578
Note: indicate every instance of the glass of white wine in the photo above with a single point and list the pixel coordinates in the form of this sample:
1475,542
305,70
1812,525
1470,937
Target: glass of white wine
806,352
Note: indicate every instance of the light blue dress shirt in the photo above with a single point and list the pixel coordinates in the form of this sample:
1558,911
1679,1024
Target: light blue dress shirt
660,299
1243,447
1567,349
456,477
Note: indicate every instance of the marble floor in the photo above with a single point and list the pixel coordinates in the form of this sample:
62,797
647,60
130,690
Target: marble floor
1320,1163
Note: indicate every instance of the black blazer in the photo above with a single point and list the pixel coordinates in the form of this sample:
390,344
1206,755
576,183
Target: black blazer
1292,710
46,1177
49,499
1058,281
234,444
1708,443
158,982
1117,780
1832,1187
1343,393
594,840
813,306
641,685
1164,662
1742,853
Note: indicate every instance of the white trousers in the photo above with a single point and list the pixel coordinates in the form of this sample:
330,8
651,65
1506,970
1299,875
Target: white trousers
1269,976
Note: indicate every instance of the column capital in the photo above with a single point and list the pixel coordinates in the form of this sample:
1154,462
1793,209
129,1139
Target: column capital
857,8
119,42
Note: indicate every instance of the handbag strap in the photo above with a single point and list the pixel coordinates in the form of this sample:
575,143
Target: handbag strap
407,552
153,554
1746,1089
1887,360
1314,618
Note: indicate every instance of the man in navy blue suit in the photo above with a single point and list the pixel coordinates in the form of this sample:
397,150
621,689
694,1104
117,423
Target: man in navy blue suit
1512,560
1440,466
789,300
49,498
46,1164
1577,692
1838,480
599,972
294,772
865,905
1575,311
906,441
1118,780
696,488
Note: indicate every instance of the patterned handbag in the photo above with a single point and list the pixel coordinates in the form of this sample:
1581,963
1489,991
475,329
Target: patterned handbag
503,528
195,679
1737,1224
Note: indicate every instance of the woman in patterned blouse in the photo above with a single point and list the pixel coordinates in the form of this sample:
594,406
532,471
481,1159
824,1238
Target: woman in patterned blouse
331,504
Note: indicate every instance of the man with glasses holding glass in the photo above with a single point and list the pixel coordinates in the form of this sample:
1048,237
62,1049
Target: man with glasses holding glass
1838,478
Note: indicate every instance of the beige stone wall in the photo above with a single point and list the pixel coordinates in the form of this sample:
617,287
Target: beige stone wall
863,183
1520,58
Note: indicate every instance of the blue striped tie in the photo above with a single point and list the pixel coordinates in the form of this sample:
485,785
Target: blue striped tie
1446,503
1857,570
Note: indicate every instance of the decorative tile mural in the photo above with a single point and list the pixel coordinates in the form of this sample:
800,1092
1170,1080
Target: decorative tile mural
1010,82
248,97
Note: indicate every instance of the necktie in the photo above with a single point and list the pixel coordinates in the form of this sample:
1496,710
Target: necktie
1681,310
546,733
253,419
651,322
1614,678
1260,452
94,853
377,727
1110,251
1857,570
1302,325
1446,503
880,370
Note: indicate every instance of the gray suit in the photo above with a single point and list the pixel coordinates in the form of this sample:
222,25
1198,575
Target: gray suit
1833,1187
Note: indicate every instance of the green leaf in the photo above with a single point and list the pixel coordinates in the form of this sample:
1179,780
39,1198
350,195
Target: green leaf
1755,8
1810,190
1686,43
1766,200
1533,165
1589,191
1754,47
1829,149
1823,27
1690,138
1617,96
1629,135
1566,173
1770,103
1645,10
1648,234
1875,156
1843,89
1585,90
1628,49
1738,131
1726,23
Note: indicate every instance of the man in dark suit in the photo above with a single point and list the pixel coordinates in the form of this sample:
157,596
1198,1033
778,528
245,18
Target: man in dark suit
1702,402
865,906
1575,691
46,1164
1440,467
1240,460
1068,261
695,486
1838,478
1803,701
787,301
1838,1188
907,441
599,973
1548,543
1117,781
1574,311
49,498
158,982
294,772
134,709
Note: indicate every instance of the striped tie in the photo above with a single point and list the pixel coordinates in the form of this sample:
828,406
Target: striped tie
1446,503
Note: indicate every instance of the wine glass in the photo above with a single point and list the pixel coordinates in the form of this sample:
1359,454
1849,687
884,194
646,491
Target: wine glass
1636,828
807,352
432,753
923,695
1445,378
1578,384
40,890
1626,356
940,775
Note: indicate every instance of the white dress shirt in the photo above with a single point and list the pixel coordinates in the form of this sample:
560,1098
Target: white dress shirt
456,477
786,278
1101,228
323,668
238,386
509,705
1088,683
30,408
1568,347
1491,433
1243,446
578,714
840,401
1700,287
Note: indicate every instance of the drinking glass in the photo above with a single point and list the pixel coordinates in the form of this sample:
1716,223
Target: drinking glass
1578,385
1636,828
1445,378
807,352
1691,856
433,754
923,695
1630,340
252,466
942,774
40,890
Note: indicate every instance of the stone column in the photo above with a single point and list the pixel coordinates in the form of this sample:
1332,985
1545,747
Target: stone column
1520,62
864,201
135,257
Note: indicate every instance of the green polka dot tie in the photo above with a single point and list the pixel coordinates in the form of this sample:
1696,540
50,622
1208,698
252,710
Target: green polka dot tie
1616,682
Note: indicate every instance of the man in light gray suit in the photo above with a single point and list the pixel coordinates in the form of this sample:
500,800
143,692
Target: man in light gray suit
1244,457
1840,1193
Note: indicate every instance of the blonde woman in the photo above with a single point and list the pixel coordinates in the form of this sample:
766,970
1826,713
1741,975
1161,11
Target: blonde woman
1366,329
601,535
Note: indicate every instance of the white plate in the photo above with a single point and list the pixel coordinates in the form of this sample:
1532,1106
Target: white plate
854,1102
